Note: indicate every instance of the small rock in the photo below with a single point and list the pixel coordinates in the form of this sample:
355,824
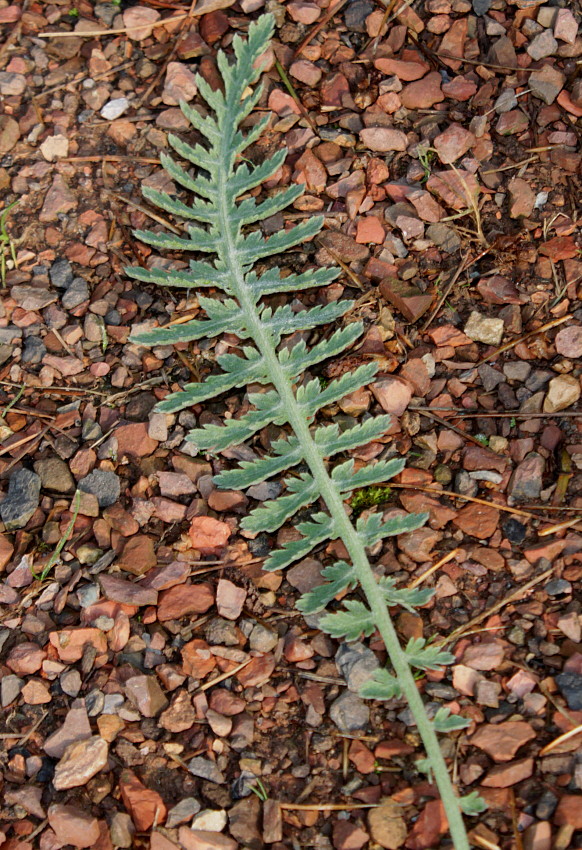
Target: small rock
387,825
522,198
103,484
558,587
343,246
133,440
185,599
230,599
181,715
384,139
481,329
512,123
25,658
146,807
566,26
392,394
349,713
127,592
10,687
485,656
526,482
205,769
180,84
71,682
73,826
503,776
11,84
563,391
542,45
9,133
407,71
356,663
208,535
453,143
58,200
146,694
77,293
501,741
122,831
55,475
355,17
212,820
200,839
81,761
418,545
570,685
243,821
569,811
55,147
138,555
183,812
75,728
22,499
139,21
424,93
547,83
303,12
569,341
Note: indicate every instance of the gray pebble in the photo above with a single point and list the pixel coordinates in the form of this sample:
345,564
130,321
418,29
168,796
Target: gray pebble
76,294
21,500
103,484
349,713
356,663
61,274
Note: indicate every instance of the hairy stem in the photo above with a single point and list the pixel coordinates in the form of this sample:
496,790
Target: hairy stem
335,506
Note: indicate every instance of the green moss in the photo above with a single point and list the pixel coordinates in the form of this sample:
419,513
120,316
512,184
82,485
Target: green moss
370,496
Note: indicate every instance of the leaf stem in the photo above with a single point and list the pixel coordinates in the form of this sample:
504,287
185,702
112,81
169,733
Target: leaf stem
263,340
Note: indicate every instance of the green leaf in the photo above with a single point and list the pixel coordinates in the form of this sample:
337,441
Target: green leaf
408,598
321,528
341,577
351,623
231,321
381,686
167,278
218,438
312,398
251,472
330,441
271,282
444,721
371,528
348,480
427,657
277,511
472,804
301,357
200,211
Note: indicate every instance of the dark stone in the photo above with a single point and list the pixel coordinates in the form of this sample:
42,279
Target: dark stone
356,14
34,350
21,500
61,274
514,530
76,294
481,7
557,587
103,484
570,685
546,805
139,407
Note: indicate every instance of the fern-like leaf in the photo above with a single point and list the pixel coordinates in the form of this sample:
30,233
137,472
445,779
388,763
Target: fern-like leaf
221,224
